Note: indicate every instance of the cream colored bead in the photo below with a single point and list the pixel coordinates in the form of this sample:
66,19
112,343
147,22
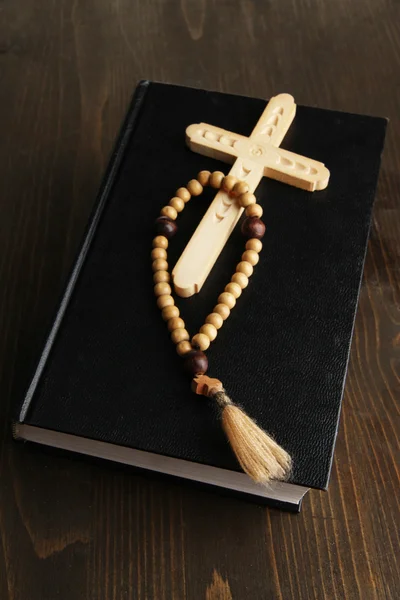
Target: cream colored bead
164,301
254,210
228,183
195,187
184,194
160,241
228,299
170,212
183,348
158,253
223,310
251,256
160,264
254,244
209,330
160,276
241,279
245,267
179,335
162,289
204,177
234,289
246,200
169,312
216,179
240,188
177,203
215,319
176,323
200,340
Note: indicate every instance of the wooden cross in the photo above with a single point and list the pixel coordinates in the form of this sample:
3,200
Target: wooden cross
253,158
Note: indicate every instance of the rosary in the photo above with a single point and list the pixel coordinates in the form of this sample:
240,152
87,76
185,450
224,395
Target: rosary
259,455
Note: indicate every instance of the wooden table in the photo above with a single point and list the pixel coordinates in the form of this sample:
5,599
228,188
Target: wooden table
73,530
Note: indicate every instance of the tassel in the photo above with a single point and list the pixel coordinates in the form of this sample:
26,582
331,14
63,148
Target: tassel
257,453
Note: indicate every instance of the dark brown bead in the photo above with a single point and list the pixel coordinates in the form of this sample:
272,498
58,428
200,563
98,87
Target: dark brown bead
196,363
165,226
252,227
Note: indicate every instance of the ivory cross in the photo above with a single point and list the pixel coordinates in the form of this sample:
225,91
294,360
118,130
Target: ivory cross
252,157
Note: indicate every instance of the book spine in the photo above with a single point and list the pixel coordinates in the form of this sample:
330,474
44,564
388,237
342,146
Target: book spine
114,164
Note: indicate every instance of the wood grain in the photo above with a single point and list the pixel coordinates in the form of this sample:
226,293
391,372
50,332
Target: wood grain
72,530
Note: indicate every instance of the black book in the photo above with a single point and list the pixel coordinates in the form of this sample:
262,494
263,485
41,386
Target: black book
109,383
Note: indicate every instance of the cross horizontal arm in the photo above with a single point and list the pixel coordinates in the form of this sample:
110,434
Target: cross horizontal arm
296,170
213,141
282,165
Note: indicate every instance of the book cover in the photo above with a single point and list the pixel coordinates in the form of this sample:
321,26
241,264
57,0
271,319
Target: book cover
109,373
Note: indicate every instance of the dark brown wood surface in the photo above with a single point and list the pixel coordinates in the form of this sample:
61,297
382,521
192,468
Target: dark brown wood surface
72,530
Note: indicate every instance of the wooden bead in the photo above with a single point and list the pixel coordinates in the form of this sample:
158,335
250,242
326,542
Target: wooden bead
164,301
254,210
245,268
184,194
216,179
176,323
215,319
240,188
183,348
200,341
204,177
160,241
196,363
158,253
179,335
195,188
247,199
177,203
254,244
166,226
223,310
251,256
241,279
170,212
162,289
169,312
160,276
228,299
252,227
228,183
160,264
209,330
234,289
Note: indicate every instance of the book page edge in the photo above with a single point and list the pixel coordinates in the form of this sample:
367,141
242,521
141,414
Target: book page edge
150,461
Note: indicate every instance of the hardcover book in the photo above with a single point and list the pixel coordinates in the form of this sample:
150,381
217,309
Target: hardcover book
109,383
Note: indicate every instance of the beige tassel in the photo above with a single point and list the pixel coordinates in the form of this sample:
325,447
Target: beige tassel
257,453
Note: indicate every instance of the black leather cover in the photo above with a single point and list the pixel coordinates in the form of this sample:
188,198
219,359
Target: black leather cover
109,370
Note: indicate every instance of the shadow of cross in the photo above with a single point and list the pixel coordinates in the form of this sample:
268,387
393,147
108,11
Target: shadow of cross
253,158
